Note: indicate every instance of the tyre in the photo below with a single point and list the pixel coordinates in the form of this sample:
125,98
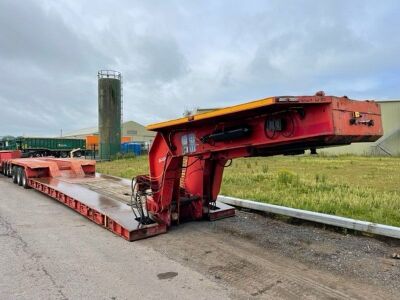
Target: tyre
24,180
14,174
78,154
9,170
19,175
63,154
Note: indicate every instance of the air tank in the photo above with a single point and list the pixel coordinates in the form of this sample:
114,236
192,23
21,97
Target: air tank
109,93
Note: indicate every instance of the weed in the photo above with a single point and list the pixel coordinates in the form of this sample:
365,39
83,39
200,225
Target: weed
320,178
287,178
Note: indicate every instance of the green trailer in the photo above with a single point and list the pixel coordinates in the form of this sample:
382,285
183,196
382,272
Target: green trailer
8,143
36,146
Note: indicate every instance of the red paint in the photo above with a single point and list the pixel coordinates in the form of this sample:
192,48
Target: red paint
310,122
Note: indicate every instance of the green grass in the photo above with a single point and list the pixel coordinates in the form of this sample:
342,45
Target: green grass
126,168
365,188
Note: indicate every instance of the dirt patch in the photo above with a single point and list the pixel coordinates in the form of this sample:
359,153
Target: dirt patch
167,275
358,256
260,257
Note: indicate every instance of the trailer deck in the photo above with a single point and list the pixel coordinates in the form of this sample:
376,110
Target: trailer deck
98,204
102,199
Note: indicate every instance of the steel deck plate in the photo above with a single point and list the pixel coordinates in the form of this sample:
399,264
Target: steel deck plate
110,213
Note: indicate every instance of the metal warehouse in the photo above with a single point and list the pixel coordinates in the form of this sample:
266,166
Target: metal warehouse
136,131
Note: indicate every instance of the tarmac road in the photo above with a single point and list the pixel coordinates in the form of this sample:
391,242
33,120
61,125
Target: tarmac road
48,251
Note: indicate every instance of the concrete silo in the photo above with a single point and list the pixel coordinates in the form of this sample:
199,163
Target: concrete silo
110,107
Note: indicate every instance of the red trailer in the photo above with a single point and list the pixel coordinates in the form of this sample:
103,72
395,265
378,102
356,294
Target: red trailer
188,157
5,156
73,182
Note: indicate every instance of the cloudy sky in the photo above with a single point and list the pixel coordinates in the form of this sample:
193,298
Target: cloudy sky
177,55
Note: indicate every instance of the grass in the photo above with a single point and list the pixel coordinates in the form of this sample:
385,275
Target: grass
126,168
365,188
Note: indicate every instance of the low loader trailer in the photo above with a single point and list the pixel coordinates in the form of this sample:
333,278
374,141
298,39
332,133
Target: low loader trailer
188,157
102,199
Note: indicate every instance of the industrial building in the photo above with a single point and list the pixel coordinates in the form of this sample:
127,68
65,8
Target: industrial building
388,144
134,130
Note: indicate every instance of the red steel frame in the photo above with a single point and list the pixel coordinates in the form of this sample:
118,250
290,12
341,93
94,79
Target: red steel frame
185,163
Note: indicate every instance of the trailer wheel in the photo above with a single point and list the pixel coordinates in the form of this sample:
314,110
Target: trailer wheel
63,154
19,176
14,173
9,170
24,180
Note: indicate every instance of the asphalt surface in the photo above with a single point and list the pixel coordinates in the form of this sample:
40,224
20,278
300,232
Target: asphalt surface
48,251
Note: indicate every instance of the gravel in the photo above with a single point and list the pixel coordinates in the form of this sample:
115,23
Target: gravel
364,258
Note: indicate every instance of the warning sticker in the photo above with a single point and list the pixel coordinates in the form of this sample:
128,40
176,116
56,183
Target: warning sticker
188,143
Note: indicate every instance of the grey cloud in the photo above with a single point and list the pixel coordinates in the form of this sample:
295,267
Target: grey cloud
35,37
156,60
181,54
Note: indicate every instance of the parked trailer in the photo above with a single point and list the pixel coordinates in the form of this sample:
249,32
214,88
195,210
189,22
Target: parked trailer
102,199
58,147
37,147
188,157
